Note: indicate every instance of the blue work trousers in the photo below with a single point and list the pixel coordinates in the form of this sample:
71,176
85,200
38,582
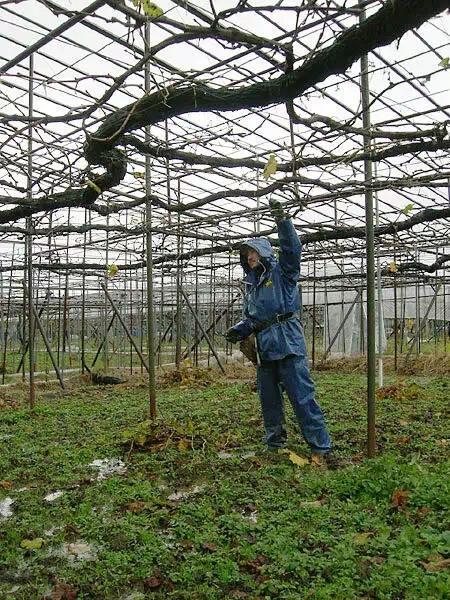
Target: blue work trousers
292,375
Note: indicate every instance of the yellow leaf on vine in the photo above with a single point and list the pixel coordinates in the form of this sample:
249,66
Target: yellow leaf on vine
393,267
112,270
271,167
151,9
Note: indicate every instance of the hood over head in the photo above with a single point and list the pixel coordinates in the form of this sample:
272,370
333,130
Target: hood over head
263,247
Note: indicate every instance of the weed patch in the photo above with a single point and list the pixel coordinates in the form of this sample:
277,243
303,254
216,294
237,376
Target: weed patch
191,506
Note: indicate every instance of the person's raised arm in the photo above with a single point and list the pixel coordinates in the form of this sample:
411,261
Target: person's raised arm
290,245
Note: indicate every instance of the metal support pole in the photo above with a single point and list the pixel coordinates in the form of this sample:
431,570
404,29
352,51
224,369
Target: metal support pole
435,330
29,295
395,323
403,318
379,299
205,335
149,253
44,337
127,331
416,339
8,315
100,348
444,316
105,303
370,253
326,319
196,335
341,326
422,324
211,327
257,215
83,303
26,346
179,313
164,334
313,349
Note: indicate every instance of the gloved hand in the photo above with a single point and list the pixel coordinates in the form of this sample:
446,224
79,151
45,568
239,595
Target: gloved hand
277,210
232,336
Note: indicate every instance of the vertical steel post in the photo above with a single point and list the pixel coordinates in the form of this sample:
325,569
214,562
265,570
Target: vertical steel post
379,299
66,293
395,320
105,301
196,306
417,312
141,303
205,335
326,314
179,312
435,330
444,316
403,318
83,303
258,203
230,347
149,253
131,321
370,252
29,292
8,315
211,308
340,346
422,324
46,342
125,328
313,349
58,351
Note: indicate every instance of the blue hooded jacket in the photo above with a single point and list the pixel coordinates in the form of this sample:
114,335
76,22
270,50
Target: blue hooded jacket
271,290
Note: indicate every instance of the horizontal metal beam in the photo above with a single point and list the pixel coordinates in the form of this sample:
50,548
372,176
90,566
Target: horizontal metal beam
71,21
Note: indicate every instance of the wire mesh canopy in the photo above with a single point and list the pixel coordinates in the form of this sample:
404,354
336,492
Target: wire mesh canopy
232,86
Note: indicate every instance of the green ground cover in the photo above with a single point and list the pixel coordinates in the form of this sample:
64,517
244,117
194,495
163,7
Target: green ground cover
202,512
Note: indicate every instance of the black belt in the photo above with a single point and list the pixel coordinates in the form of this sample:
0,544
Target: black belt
277,319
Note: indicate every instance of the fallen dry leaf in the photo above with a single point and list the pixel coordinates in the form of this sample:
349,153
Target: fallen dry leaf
294,458
436,563
152,583
423,511
403,440
209,547
137,507
6,485
63,591
399,498
254,566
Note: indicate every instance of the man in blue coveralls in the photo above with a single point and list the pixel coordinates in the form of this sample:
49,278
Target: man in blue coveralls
271,310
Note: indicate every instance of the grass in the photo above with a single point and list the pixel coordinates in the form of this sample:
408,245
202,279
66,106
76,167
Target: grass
250,524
